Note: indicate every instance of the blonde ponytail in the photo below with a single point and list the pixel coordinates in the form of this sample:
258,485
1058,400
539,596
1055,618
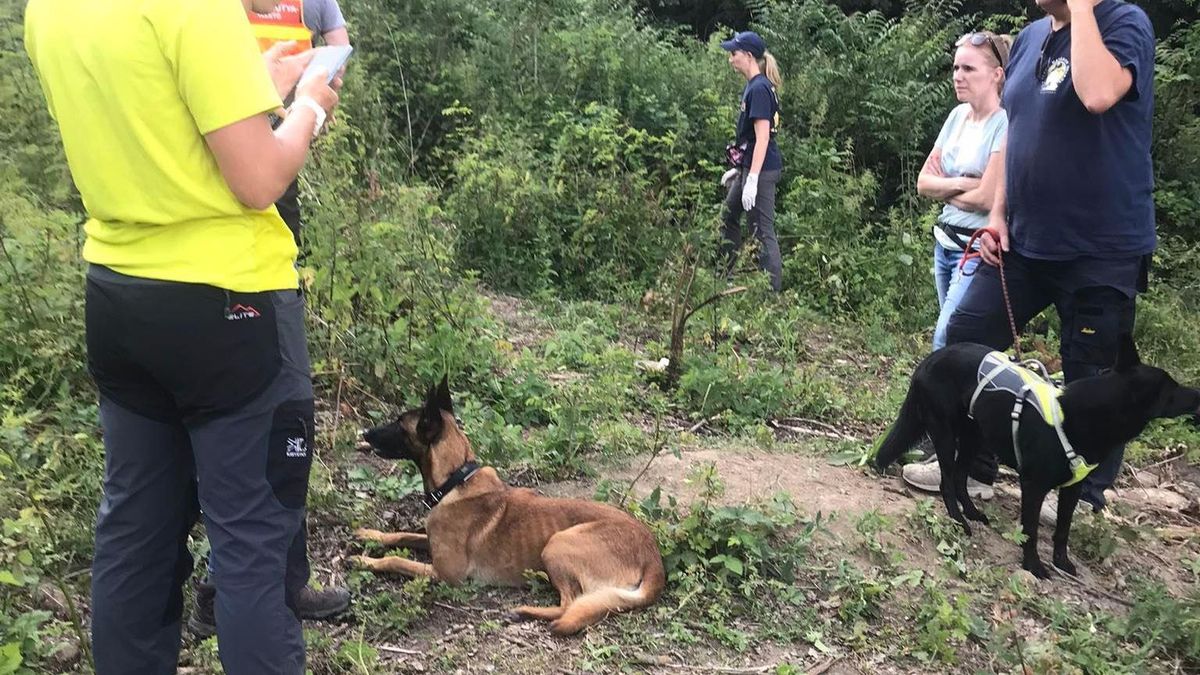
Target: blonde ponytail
770,68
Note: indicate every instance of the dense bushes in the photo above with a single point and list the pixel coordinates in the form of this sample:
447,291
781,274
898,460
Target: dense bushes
556,148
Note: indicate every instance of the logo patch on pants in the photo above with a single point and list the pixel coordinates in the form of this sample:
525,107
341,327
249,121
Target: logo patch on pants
296,447
240,311
288,456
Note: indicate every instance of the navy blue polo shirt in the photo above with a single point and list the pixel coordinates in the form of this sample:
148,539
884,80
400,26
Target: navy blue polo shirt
759,103
1079,184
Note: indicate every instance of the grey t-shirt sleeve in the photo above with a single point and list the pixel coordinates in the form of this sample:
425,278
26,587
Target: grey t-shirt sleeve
322,16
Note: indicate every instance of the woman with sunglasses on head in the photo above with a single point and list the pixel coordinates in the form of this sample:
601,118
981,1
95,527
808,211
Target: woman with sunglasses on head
962,172
963,169
754,155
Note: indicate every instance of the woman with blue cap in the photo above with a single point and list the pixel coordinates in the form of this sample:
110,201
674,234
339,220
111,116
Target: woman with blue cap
754,155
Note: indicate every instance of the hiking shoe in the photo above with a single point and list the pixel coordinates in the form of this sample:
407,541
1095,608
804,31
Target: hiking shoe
313,604
309,604
927,477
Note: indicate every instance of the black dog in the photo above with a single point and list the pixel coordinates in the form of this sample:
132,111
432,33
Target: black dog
963,415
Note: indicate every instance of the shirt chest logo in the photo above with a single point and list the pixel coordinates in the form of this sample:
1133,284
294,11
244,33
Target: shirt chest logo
1056,74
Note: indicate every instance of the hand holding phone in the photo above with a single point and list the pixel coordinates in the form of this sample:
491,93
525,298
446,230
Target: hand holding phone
285,69
330,58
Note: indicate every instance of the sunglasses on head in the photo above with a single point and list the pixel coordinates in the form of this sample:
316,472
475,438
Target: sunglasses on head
978,40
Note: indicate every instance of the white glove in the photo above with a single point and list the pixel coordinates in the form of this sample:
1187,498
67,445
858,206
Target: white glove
728,176
749,191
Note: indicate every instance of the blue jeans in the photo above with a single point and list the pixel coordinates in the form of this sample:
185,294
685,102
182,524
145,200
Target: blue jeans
951,286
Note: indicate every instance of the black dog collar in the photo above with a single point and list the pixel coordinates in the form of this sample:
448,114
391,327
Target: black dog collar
460,476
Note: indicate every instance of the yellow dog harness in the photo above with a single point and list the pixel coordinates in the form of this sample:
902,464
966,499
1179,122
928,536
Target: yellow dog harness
997,372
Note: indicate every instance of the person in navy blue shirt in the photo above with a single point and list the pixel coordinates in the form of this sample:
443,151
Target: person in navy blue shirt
1075,216
754,155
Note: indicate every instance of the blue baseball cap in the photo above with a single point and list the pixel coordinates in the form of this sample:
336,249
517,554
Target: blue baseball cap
747,41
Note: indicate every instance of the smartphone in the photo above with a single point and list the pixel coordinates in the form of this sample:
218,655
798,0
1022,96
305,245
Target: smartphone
330,57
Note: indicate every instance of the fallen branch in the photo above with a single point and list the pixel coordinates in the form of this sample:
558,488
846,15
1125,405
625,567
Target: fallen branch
750,670
397,650
812,432
815,423
823,666
1079,582
1177,532
720,669
465,608
1162,462
517,641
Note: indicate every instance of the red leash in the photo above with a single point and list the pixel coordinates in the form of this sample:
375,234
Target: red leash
969,254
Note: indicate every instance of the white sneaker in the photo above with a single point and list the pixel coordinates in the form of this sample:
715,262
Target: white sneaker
1049,512
927,476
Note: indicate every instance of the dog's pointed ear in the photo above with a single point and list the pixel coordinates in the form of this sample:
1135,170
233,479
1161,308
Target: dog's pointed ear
444,401
1127,356
429,427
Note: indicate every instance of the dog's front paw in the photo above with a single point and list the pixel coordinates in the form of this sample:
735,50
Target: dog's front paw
966,528
978,517
367,534
1064,563
1037,569
363,562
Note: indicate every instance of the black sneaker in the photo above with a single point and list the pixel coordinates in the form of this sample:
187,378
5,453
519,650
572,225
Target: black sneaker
310,604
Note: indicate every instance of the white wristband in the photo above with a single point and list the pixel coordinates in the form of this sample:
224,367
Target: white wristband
318,111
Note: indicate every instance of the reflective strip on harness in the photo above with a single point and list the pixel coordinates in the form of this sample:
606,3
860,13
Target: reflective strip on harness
998,373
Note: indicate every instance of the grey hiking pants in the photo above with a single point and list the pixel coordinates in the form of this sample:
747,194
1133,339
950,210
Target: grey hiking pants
761,220
205,399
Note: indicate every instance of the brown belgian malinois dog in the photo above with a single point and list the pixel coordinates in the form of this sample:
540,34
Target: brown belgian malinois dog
600,558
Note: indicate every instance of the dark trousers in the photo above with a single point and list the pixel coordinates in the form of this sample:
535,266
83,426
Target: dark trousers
1095,301
298,570
288,206
206,401
761,220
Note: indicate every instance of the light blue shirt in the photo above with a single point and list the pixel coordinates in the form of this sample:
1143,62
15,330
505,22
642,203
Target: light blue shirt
966,148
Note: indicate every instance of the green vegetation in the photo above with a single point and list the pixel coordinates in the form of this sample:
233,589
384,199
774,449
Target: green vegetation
507,198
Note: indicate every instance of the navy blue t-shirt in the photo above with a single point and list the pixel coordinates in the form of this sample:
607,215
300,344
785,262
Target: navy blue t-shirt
759,103
1080,184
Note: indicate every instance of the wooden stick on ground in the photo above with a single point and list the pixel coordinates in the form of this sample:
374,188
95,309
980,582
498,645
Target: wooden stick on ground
397,650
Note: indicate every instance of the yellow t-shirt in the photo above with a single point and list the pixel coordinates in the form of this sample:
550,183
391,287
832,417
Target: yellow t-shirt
134,86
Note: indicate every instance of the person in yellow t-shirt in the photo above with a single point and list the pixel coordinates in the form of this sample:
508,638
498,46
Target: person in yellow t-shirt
298,23
194,318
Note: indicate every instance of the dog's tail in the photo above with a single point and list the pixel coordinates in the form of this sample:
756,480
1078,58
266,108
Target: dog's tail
594,605
904,433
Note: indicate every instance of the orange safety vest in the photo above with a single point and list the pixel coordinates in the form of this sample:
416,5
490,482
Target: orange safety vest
283,24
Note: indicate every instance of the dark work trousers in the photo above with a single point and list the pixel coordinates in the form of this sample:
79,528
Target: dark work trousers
761,220
288,206
206,400
298,570
1095,301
